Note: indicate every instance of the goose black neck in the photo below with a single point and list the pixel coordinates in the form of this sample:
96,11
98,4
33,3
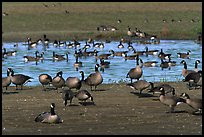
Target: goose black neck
52,111
185,65
96,69
196,65
82,76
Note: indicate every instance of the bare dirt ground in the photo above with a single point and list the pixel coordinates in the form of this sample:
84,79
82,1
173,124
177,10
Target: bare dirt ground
117,111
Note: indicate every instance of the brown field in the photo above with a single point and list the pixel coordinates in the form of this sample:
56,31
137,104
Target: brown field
117,111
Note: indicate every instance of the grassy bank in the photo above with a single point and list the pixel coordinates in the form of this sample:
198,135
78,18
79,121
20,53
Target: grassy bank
34,19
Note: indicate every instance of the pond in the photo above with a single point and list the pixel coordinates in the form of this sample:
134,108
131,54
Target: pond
118,68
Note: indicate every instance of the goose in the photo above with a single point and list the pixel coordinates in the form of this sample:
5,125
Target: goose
70,45
130,33
18,79
86,46
94,79
57,57
184,55
49,117
164,64
137,52
74,82
141,85
118,53
102,56
31,58
149,63
9,53
104,64
135,73
90,40
130,47
171,63
194,103
46,40
83,95
151,52
171,101
167,88
45,79
67,94
6,81
58,81
31,44
162,55
86,53
185,71
77,63
120,45
130,57
98,45
196,65
193,78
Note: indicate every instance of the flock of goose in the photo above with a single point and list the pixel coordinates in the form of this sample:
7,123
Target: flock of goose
95,79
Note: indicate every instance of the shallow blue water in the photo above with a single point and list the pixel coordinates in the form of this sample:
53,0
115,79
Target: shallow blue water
118,66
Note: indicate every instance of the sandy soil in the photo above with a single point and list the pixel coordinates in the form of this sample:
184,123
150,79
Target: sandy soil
116,111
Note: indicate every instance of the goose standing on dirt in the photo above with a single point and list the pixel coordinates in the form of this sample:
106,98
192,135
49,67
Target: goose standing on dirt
171,101
49,117
58,81
195,103
74,82
193,78
6,81
135,73
94,79
167,89
141,85
67,94
45,79
83,95
18,79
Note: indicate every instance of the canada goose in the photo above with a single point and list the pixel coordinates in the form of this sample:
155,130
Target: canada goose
83,95
171,63
31,44
76,43
77,63
137,52
74,82
119,21
151,52
135,73
31,58
130,33
149,63
86,46
94,79
49,117
164,64
45,79
6,81
141,85
130,47
167,89
18,79
130,57
46,40
90,40
162,55
57,57
193,78
104,64
184,55
185,71
171,101
9,53
101,56
195,103
118,53
98,45
120,45
70,45
58,81
67,94
196,65
86,53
